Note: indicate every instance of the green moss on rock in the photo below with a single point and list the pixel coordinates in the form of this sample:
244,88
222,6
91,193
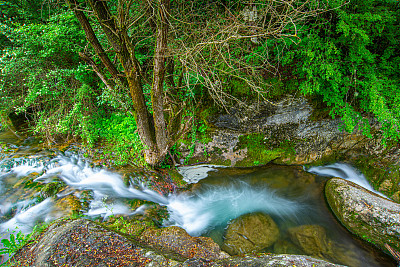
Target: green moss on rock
261,151
367,215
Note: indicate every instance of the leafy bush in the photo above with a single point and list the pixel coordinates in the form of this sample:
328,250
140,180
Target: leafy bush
41,73
350,57
119,135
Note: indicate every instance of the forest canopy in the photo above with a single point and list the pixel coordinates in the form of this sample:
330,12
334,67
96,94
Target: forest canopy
134,74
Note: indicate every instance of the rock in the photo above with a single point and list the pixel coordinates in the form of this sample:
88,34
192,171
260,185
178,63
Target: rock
273,260
386,186
396,196
311,239
285,122
66,206
286,247
369,216
84,243
250,233
175,240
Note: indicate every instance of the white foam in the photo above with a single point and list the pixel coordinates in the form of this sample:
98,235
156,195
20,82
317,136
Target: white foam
219,204
25,220
344,171
193,174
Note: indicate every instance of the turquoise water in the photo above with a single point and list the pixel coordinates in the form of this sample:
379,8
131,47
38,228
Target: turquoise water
291,196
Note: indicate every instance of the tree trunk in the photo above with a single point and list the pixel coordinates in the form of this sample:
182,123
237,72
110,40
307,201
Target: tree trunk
94,42
159,77
152,130
117,37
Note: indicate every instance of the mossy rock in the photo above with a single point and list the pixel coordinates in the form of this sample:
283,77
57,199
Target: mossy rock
364,213
311,239
314,241
250,233
178,244
261,150
67,206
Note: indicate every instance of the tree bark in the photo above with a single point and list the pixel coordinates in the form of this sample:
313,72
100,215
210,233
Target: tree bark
159,77
117,37
94,42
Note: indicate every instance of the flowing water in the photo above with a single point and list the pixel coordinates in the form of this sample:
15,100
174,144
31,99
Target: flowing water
291,196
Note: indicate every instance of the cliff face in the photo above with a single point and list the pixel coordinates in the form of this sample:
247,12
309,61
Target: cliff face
289,133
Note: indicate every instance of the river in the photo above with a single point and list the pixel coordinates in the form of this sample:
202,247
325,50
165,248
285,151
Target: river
290,195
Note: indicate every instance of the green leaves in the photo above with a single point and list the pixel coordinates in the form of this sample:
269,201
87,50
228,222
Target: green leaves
17,240
120,138
13,244
352,68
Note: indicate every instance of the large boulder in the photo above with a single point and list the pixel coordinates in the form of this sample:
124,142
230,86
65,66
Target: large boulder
250,233
175,240
84,243
368,215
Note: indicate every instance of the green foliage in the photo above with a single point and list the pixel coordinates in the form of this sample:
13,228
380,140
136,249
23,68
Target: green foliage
17,240
119,135
41,74
352,60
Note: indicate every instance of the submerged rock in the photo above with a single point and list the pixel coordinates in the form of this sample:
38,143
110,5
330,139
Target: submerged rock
286,247
369,216
313,240
250,233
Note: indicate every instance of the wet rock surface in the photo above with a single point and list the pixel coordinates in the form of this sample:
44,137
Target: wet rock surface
313,241
369,216
84,243
250,233
175,240
288,123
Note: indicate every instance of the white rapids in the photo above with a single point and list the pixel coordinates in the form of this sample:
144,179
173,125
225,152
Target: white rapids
196,213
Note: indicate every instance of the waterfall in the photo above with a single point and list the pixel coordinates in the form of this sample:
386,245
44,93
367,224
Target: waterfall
344,171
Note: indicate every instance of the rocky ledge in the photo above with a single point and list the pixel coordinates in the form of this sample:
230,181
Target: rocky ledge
364,213
85,243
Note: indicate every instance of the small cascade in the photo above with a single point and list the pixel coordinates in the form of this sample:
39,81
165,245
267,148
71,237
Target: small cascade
344,171
195,213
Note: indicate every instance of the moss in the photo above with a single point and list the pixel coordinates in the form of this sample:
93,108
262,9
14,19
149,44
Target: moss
132,228
177,178
204,137
51,189
261,151
239,88
379,172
